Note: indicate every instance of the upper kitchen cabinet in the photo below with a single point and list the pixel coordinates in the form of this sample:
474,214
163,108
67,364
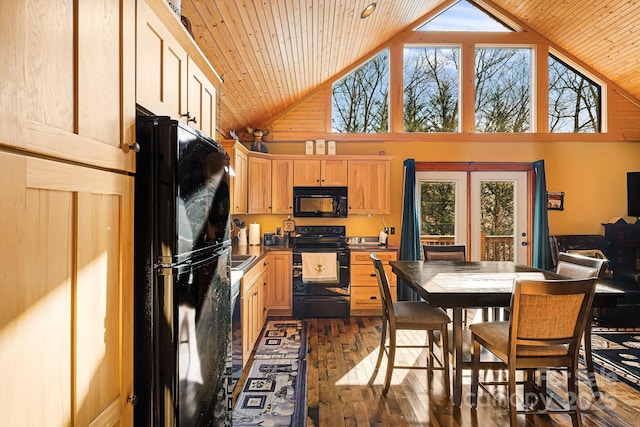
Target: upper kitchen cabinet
259,184
161,67
173,76
239,179
315,172
201,99
369,186
68,71
282,186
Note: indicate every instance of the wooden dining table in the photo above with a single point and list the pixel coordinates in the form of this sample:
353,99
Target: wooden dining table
476,284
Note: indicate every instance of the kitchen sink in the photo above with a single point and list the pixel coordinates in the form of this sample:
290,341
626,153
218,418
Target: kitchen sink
239,262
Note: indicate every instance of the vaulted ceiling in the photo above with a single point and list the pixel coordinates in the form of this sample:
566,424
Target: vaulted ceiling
273,53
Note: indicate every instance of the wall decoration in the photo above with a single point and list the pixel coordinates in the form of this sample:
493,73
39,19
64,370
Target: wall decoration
555,201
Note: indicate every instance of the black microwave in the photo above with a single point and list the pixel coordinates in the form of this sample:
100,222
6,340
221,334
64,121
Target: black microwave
320,202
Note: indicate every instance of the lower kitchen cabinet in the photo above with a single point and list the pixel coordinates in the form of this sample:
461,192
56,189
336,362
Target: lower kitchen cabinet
365,294
66,347
280,283
253,309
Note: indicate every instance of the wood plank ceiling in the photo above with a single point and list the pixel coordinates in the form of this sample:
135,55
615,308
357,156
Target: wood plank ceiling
272,53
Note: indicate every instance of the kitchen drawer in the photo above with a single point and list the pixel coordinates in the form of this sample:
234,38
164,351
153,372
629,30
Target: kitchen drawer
365,275
364,257
366,300
250,276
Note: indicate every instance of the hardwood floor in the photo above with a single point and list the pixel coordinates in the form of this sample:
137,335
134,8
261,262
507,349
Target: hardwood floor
341,357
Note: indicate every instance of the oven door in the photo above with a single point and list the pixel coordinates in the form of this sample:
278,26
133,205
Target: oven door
341,288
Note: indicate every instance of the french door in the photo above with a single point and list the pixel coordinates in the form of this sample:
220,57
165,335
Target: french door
485,210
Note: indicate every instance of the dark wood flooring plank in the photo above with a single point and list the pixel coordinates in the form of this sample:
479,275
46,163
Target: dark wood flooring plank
341,358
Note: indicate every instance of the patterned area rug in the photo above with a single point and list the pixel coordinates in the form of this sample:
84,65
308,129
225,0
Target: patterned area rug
275,390
616,354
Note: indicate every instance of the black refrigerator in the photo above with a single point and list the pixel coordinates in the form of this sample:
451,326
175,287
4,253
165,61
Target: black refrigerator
182,314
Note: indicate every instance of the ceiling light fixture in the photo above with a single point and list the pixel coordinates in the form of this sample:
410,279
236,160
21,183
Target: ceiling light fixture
368,10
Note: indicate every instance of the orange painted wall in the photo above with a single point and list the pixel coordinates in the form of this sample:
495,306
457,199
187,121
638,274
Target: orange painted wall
592,176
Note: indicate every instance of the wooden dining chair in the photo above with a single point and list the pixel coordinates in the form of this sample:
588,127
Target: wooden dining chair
444,252
582,267
548,318
450,253
409,315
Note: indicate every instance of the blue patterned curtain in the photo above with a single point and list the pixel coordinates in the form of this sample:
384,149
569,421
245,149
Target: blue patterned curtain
410,234
541,251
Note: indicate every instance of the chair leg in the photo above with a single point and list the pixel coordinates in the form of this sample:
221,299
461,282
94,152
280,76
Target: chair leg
512,398
475,373
588,358
444,354
391,358
430,339
383,339
574,397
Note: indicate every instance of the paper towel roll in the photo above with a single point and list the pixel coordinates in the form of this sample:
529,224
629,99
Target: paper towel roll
254,234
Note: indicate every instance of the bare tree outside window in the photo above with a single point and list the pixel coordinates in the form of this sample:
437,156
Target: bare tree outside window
431,89
502,89
574,100
360,101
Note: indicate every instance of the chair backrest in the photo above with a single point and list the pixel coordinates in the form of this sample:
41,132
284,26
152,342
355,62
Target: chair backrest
550,312
579,266
444,252
383,286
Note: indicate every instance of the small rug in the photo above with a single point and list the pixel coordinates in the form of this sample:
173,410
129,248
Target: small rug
616,354
275,390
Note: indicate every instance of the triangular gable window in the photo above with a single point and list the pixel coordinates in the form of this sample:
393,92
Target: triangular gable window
463,16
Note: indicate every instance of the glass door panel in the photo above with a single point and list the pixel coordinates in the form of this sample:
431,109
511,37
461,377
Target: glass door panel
442,207
499,216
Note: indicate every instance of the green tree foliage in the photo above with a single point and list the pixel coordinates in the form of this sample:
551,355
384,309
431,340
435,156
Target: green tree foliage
437,208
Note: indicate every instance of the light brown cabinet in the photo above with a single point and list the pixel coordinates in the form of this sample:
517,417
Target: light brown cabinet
161,66
173,78
315,172
271,179
201,100
365,293
239,180
259,175
253,309
281,186
280,283
68,311
68,104
369,186
60,98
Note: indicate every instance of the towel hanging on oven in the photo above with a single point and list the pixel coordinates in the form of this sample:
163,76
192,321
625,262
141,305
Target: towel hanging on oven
319,267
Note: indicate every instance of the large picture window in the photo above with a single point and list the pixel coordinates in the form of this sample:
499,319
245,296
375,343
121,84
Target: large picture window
431,89
503,89
360,100
574,100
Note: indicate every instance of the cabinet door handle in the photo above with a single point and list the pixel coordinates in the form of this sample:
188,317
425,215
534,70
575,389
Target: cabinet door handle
373,275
